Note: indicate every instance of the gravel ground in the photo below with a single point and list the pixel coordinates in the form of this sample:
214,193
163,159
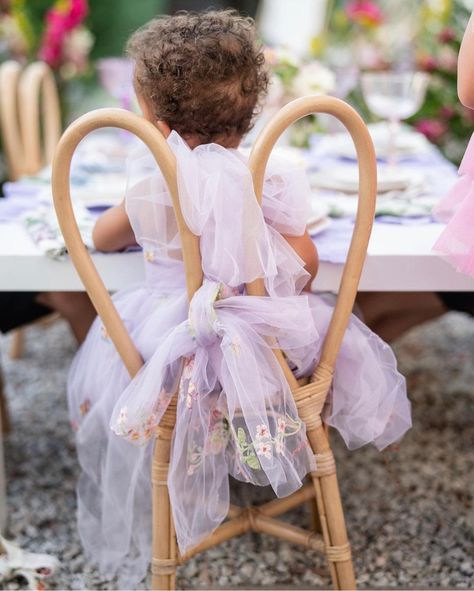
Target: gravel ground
409,512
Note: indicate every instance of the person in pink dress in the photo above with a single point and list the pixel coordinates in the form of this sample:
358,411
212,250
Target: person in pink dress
456,242
200,79
390,315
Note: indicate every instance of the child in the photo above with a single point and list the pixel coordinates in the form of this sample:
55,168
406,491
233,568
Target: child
457,208
200,79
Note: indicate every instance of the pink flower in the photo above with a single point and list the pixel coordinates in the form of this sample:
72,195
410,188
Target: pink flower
264,449
448,59
281,425
447,112
447,34
433,129
65,16
427,63
262,432
468,115
364,12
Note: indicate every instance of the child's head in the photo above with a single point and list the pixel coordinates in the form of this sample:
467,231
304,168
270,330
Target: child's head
203,74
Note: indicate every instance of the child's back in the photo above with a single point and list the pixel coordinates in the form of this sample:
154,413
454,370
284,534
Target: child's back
199,78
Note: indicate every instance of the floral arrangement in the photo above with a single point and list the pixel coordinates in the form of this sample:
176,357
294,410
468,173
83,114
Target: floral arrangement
66,42
443,119
293,77
61,39
423,35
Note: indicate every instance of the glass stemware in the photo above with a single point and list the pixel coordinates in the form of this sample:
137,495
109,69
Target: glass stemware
394,96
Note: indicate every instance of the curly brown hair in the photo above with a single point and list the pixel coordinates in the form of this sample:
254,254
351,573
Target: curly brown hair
202,73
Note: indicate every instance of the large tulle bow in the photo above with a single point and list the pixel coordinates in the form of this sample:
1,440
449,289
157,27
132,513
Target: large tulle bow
235,411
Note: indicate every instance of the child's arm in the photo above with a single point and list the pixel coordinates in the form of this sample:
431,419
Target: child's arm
112,230
306,249
466,66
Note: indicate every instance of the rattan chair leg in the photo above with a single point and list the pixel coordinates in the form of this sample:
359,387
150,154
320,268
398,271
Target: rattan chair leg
314,516
18,344
331,513
163,566
4,414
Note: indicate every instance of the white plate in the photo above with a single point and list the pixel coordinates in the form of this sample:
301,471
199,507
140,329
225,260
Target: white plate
407,143
319,209
315,227
318,220
346,179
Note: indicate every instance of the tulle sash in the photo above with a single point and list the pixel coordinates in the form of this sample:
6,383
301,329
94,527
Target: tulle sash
235,411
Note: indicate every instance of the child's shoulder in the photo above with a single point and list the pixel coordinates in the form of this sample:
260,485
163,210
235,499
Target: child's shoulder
286,192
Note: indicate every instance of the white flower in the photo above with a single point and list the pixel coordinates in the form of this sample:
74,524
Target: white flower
123,416
313,78
279,446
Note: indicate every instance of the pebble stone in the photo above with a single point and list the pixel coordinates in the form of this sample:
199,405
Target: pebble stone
409,510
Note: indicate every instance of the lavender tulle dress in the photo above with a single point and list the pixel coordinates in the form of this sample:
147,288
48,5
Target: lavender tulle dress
456,242
235,411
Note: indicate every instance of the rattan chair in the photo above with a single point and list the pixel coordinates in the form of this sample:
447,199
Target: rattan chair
12,143
30,117
309,397
40,116
30,120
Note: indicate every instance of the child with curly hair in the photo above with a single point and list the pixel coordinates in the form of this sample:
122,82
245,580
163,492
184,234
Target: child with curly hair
200,78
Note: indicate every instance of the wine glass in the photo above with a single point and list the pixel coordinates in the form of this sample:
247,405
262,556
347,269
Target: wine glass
394,96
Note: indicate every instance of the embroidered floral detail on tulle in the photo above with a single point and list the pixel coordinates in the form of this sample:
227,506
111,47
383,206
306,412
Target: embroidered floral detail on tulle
187,388
149,256
104,334
144,428
235,346
226,291
243,449
85,407
215,442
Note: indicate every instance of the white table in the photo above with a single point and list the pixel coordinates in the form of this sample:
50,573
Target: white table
399,259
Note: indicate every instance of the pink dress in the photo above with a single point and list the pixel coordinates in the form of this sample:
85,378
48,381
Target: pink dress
456,242
236,414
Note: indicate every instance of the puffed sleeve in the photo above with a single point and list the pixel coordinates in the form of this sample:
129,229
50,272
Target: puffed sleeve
286,192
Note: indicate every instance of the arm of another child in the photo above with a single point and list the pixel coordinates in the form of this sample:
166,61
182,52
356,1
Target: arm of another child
466,67
112,230
306,249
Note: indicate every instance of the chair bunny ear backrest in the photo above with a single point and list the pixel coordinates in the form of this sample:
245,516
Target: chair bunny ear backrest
80,256
9,118
40,116
365,211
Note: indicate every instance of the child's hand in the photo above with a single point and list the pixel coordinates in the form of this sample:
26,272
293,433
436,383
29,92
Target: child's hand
112,231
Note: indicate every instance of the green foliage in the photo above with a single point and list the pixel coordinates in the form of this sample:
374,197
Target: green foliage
112,23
